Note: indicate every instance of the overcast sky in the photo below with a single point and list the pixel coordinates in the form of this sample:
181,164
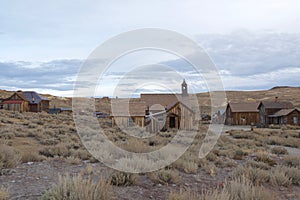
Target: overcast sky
254,44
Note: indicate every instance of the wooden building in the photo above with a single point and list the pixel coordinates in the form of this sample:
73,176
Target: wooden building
269,108
16,102
26,102
241,114
128,112
176,116
286,116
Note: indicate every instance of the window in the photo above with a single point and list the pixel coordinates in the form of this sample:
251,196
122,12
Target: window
295,120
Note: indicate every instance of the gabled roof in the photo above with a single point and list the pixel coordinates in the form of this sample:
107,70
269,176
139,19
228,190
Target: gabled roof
160,99
277,104
34,97
244,107
283,112
18,94
128,108
176,103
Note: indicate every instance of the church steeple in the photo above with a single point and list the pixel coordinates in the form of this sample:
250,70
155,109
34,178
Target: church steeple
184,89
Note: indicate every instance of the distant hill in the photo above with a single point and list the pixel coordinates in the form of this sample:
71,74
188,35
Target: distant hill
284,93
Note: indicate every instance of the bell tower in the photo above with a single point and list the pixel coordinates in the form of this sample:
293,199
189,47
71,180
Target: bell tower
184,89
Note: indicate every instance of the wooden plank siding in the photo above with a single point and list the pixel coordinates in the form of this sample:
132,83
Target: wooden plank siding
241,114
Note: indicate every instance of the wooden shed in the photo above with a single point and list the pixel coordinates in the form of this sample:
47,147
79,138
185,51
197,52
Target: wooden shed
269,108
128,112
286,116
242,114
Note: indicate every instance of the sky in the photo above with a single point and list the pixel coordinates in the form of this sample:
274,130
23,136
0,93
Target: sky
43,44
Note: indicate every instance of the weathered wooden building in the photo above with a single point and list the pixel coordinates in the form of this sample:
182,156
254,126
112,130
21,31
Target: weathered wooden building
286,116
175,116
269,108
16,102
241,114
26,102
128,112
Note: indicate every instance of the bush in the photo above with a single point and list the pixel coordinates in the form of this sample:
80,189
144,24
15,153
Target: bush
279,178
122,179
239,154
292,173
9,157
4,193
265,157
70,188
165,176
291,161
256,176
237,189
279,151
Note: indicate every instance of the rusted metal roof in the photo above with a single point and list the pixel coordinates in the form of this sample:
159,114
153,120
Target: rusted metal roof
244,107
13,101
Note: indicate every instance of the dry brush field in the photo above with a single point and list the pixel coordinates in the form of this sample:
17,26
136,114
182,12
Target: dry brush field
42,157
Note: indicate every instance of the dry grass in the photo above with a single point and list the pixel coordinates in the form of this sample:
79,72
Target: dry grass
118,178
165,177
238,189
4,193
9,157
77,187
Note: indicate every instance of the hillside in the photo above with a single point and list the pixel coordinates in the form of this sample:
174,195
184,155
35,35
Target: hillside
284,93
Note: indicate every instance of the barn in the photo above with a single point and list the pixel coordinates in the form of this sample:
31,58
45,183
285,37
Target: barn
241,114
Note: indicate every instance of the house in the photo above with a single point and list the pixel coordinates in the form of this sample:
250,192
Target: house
269,108
241,114
37,102
128,112
16,102
286,116
26,101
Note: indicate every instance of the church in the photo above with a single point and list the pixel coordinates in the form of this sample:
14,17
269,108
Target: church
162,111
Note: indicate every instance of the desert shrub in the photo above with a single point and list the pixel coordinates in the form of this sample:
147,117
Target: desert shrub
279,151
279,178
259,165
50,141
165,176
292,173
211,157
291,161
4,193
265,157
240,134
205,195
57,150
239,154
31,157
118,178
255,175
9,157
70,188
237,189
210,169
82,154
241,188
